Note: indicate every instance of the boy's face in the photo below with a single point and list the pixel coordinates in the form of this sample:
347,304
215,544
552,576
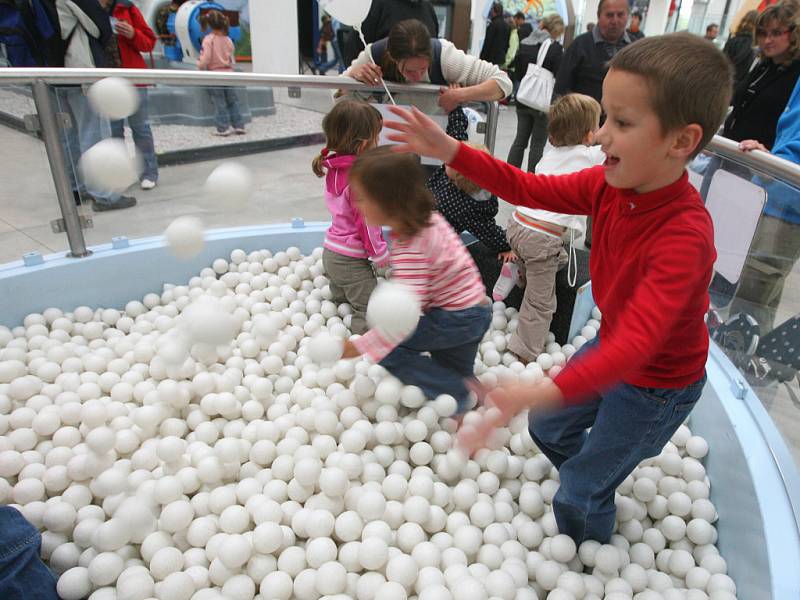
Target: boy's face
639,155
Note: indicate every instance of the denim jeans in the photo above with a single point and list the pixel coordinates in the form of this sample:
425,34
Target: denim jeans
226,104
23,575
531,125
628,424
452,338
87,129
324,65
139,122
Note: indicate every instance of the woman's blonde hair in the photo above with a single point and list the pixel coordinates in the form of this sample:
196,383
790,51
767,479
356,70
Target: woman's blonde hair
460,181
571,117
347,126
785,14
553,24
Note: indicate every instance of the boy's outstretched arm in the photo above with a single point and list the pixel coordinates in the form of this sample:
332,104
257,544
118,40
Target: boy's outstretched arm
570,194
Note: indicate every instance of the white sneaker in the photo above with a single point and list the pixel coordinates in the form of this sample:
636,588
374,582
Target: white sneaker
509,277
147,184
224,133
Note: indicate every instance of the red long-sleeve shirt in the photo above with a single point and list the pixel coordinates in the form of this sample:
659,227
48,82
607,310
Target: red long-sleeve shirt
651,263
143,40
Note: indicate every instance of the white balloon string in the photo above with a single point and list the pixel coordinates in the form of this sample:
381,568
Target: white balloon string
372,60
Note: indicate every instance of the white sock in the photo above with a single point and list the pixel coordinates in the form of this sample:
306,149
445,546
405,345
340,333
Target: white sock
509,277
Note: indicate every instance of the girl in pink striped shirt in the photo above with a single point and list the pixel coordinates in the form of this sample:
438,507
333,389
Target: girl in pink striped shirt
352,250
428,257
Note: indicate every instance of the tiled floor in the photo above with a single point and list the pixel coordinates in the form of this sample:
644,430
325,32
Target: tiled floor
286,188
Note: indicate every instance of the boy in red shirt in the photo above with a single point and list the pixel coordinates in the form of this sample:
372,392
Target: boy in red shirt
651,263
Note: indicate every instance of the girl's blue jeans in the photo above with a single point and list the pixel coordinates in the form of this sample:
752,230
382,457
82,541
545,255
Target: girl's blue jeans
628,424
449,339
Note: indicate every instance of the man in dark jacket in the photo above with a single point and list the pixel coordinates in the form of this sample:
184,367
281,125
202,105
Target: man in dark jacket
384,14
524,28
586,60
495,44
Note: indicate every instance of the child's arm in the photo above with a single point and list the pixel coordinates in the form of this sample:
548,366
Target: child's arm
374,244
205,53
570,194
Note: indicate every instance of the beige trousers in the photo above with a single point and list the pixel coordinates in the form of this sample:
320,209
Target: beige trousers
352,281
540,256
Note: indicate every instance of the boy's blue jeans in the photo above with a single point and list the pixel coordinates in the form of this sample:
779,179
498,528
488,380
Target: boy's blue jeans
452,338
23,575
628,424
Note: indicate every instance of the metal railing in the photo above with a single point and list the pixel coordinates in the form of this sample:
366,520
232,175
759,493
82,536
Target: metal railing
767,163
49,123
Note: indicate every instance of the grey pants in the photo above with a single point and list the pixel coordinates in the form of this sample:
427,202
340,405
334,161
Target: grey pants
773,254
540,256
531,126
352,281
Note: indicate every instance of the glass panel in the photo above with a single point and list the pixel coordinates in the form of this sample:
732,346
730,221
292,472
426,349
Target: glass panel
756,317
282,133
27,197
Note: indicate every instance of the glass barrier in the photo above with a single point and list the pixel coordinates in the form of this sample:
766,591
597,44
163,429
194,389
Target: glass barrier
755,292
27,196
275,131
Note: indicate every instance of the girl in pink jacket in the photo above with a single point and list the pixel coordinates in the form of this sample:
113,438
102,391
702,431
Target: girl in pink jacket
352,250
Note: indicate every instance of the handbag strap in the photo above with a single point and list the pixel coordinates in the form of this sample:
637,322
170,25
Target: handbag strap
543,51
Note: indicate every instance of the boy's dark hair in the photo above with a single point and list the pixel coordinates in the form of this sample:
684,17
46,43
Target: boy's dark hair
690,80
520,15
348,124
407,39
215,20
570,118
396,182
711,26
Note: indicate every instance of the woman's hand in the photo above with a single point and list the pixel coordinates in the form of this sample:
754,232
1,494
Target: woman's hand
750,145
507,256
368,73
450,97
125,29
420,134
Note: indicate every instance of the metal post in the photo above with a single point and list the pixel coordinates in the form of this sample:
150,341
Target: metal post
51,135
492,116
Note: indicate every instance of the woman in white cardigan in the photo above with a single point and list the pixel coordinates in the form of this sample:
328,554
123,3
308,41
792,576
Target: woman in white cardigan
410,55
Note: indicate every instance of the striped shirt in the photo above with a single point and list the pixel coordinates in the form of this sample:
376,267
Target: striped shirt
436,266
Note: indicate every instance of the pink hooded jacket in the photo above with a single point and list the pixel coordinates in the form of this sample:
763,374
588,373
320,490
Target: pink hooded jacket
348,234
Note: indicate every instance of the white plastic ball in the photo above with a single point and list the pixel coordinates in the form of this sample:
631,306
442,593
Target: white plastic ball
113,97
186,237
393,308
108,167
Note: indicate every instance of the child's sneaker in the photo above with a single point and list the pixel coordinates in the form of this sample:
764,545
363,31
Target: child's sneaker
239,131
509,277
222,133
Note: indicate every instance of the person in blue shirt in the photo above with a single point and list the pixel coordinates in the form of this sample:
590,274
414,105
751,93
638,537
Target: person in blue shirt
776,245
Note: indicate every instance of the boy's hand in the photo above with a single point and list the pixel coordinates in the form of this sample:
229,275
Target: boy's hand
350,350
507,256
504,404
420,134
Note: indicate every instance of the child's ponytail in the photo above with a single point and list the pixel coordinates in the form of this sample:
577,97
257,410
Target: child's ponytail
316,164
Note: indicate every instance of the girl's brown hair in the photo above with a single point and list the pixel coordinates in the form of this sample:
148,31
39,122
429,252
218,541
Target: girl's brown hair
407,39
395,182
786,16
461,182
347,126
215,20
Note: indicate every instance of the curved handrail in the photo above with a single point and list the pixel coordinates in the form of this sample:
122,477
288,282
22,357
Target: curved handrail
765,162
